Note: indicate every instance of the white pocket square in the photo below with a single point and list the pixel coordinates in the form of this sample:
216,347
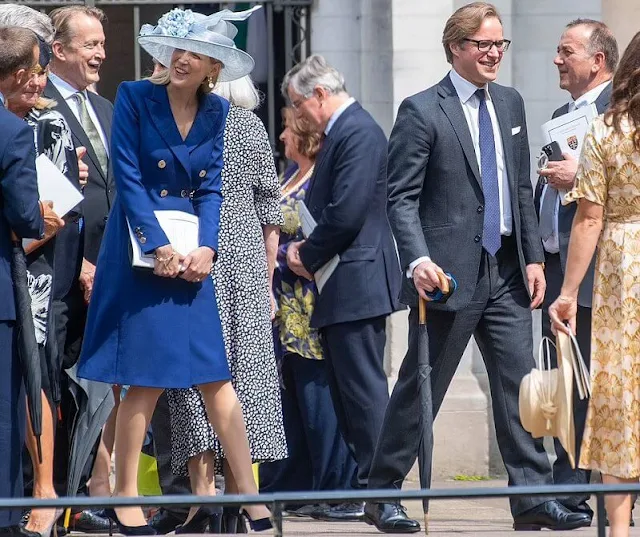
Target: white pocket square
515,130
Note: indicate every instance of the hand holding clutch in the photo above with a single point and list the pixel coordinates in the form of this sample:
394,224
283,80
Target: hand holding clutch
52,224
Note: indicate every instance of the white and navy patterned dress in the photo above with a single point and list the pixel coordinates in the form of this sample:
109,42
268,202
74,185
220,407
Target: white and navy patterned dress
251,199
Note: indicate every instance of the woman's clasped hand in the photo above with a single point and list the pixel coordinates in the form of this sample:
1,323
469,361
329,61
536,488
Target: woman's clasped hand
194,267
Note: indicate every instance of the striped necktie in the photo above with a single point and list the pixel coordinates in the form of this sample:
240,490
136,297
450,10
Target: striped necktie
91,131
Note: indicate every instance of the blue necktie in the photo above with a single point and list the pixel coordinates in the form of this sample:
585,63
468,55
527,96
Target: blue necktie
491,240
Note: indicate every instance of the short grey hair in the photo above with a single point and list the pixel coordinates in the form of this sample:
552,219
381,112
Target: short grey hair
26,17
242,92
310,73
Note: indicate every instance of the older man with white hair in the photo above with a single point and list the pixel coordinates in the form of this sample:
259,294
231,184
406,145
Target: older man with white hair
347,197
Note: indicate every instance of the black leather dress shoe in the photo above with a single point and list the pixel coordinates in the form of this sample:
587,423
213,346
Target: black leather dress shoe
90,521
389,518
340,513
165,522
17,531
550,515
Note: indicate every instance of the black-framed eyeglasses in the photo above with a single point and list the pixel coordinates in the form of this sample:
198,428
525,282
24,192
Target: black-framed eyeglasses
485,45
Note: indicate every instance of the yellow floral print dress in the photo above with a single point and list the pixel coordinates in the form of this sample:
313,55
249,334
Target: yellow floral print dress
609,175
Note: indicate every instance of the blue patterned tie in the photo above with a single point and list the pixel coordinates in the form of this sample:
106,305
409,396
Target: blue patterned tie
491,240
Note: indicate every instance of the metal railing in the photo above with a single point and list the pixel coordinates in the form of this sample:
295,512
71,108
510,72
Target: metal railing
277,501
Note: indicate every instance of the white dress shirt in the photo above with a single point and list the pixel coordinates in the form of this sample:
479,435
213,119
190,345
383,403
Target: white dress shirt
552,244
67,91
470,106
334,117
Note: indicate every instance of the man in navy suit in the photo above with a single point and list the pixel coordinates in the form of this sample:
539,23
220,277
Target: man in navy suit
586,59
20,212
460,201
347,197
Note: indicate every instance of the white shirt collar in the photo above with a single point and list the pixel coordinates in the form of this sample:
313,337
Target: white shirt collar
591,96
464,88
65,89
334,117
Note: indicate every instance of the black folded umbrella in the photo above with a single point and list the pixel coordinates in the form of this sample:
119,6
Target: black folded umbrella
425,451
26,343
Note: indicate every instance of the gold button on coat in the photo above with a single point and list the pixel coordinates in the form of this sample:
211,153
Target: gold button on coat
184,193
142,240
163,193
203,173
161,164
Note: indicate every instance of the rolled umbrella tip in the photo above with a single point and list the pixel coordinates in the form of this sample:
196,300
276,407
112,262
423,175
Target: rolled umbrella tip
39,449
426,523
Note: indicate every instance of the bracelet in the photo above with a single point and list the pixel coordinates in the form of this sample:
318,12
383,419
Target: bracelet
165,260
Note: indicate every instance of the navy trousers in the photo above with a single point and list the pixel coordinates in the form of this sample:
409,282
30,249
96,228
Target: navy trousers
12,423
354,353
319,458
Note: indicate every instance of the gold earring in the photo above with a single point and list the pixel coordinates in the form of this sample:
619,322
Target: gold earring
210,82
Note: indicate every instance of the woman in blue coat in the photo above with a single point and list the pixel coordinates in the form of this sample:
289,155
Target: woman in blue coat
157,329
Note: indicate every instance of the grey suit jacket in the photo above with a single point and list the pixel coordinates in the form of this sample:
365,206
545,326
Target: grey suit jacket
567,212
436,203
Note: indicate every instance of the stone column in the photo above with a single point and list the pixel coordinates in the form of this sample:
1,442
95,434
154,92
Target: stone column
622,16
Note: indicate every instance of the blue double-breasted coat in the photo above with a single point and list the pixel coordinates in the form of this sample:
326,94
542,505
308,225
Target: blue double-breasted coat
142,329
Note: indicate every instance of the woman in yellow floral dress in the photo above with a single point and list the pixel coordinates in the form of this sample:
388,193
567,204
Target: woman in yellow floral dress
318,456
608,193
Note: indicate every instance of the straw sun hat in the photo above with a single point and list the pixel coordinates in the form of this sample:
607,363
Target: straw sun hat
210,36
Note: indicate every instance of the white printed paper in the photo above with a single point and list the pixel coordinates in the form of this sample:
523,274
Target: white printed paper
308,224
54,186
570,129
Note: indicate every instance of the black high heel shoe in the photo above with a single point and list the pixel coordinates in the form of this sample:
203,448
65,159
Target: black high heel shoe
261,524
232,522
126,530
206,520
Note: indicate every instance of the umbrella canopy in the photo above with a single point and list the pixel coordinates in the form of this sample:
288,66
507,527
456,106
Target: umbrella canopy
425,451
27,345
94,402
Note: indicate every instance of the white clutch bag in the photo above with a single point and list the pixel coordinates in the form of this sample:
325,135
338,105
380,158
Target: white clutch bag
182,229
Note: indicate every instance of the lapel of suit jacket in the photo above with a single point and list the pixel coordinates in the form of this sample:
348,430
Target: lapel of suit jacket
603,100
503,114
76,128
160,113
104,119
451,106
207,119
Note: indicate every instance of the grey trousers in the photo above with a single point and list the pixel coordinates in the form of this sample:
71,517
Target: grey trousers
500,319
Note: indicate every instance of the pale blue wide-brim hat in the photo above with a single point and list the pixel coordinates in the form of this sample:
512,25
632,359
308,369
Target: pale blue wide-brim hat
210,36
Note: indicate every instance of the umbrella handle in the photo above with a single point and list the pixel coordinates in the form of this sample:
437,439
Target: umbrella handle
422,311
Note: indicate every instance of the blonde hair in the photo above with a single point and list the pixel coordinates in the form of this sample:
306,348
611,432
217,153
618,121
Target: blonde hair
465,22
308,141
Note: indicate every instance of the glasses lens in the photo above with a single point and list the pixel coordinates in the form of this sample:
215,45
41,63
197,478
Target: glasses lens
485,46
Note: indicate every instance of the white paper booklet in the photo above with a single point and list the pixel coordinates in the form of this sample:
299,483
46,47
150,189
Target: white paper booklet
182,230
570,129
308,224
54,186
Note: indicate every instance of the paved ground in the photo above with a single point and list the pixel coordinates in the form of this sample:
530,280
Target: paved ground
449,518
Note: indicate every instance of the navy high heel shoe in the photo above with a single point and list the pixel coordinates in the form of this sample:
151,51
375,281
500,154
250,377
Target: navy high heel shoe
206,520
261,524
126,530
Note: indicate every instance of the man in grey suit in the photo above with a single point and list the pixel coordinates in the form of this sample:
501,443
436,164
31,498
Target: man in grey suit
586,59
460,201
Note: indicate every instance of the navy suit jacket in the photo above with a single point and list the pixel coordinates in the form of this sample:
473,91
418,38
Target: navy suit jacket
19,208
567,212
348,199
436,204
100,189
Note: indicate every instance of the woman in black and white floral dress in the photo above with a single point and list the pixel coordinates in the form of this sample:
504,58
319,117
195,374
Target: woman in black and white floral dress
52,138
250,221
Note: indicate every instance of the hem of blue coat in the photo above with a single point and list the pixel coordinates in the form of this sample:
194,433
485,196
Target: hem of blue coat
121,381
